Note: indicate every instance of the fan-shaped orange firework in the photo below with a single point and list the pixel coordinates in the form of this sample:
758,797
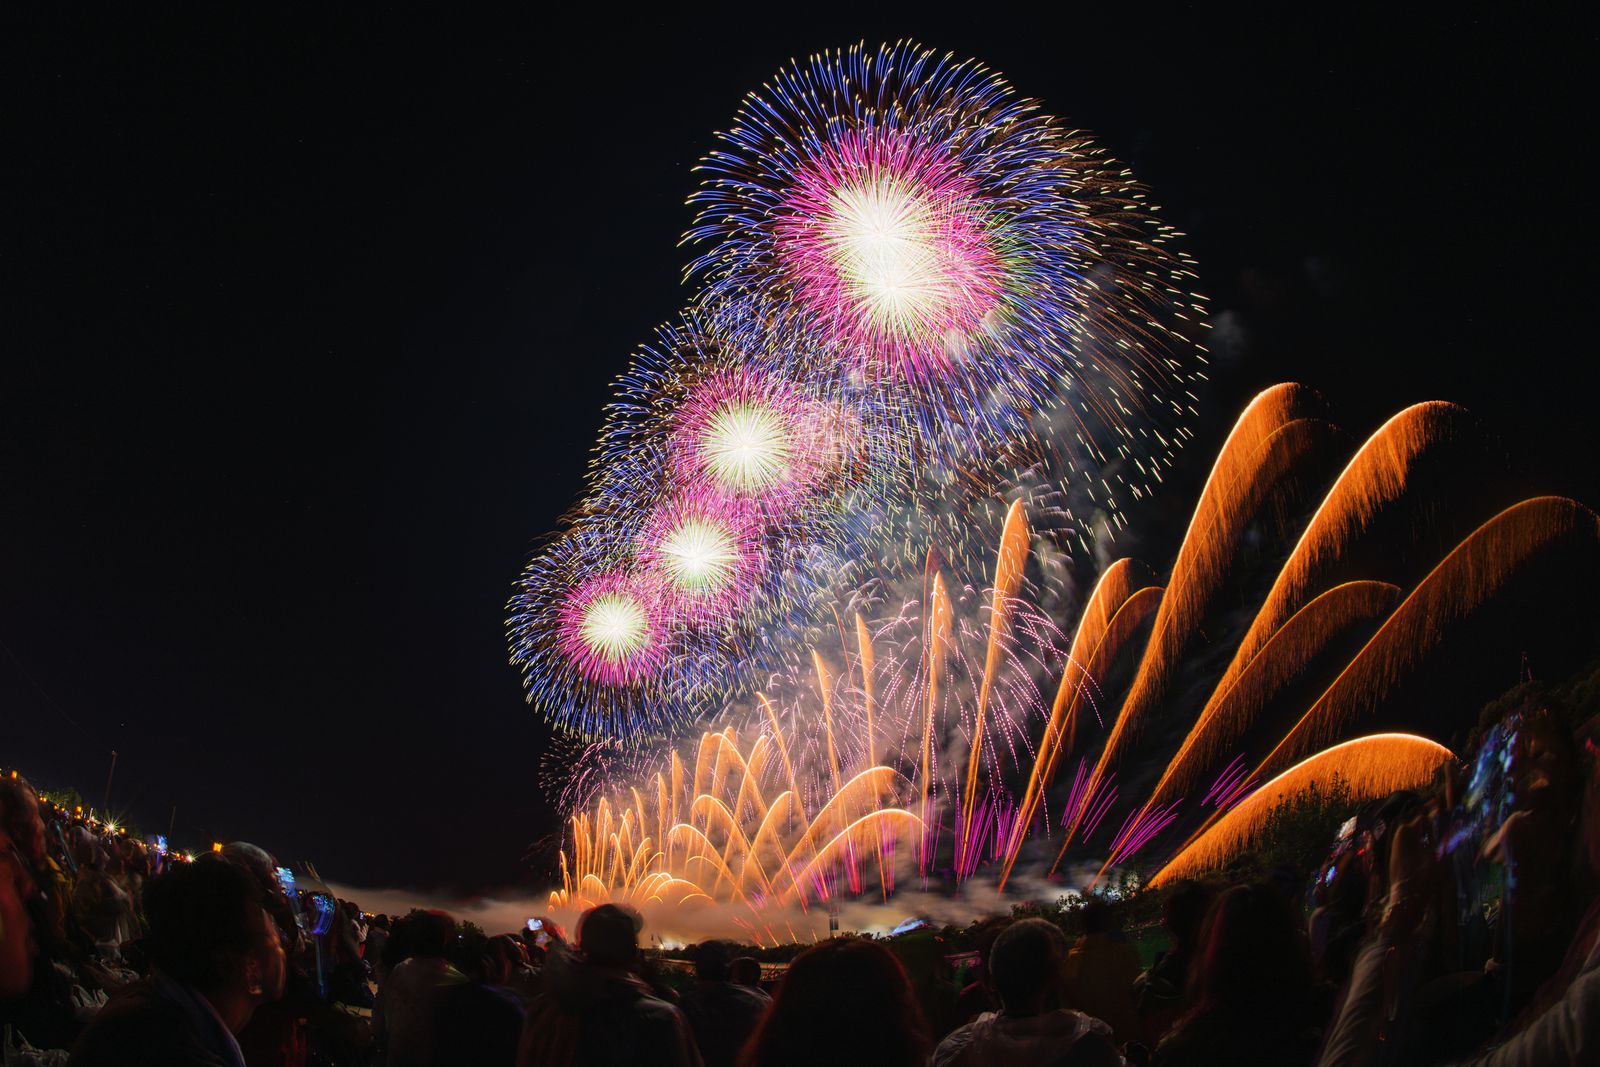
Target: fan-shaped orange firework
1370,766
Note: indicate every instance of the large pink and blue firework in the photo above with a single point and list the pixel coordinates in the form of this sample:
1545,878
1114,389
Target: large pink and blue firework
705,552
614,627
748,435
597,641
921,298
926,227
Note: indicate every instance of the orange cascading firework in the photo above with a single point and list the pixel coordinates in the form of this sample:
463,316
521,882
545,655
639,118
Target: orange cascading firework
748,826
1265,446
1009,566
1269,437
1369,767
1119,605
1493,556
1237,700
1377,477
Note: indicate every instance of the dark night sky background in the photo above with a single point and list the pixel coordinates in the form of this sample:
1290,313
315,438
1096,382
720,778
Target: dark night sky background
308,324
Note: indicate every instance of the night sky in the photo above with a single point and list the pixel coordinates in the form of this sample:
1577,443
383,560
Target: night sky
308,324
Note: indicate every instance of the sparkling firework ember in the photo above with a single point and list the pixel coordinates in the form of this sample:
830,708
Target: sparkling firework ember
886,244
746,447
934,752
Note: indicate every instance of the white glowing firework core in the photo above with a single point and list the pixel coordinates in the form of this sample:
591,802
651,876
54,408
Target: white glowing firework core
884,242
746,446
615,626
698,555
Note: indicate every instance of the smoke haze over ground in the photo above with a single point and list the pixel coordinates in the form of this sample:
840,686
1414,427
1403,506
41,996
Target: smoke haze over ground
690,923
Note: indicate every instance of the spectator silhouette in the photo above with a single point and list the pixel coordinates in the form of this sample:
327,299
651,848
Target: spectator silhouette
43,1012
1338,921
217,958
847,998
722,1014
1031,1029
16,931
479,1020
277,1034
377,941
1100,970
596,1010
508,968
99,902
1158,994
1250,990
402,1019
977,996
921,953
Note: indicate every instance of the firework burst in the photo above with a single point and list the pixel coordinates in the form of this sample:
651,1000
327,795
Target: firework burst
929,229
752,436
613,627
887,245
706,550
599,641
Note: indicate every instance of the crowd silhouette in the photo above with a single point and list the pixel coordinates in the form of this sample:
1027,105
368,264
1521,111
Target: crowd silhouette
1459,924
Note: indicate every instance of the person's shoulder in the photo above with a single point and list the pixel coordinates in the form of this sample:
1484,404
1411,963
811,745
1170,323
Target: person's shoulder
955,1044
139,1026
506,995
657,1022
1079,1021
648,1002
135,1001
480,999
753,998
1195,1040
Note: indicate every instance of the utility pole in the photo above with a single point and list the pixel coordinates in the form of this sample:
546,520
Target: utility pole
106,812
